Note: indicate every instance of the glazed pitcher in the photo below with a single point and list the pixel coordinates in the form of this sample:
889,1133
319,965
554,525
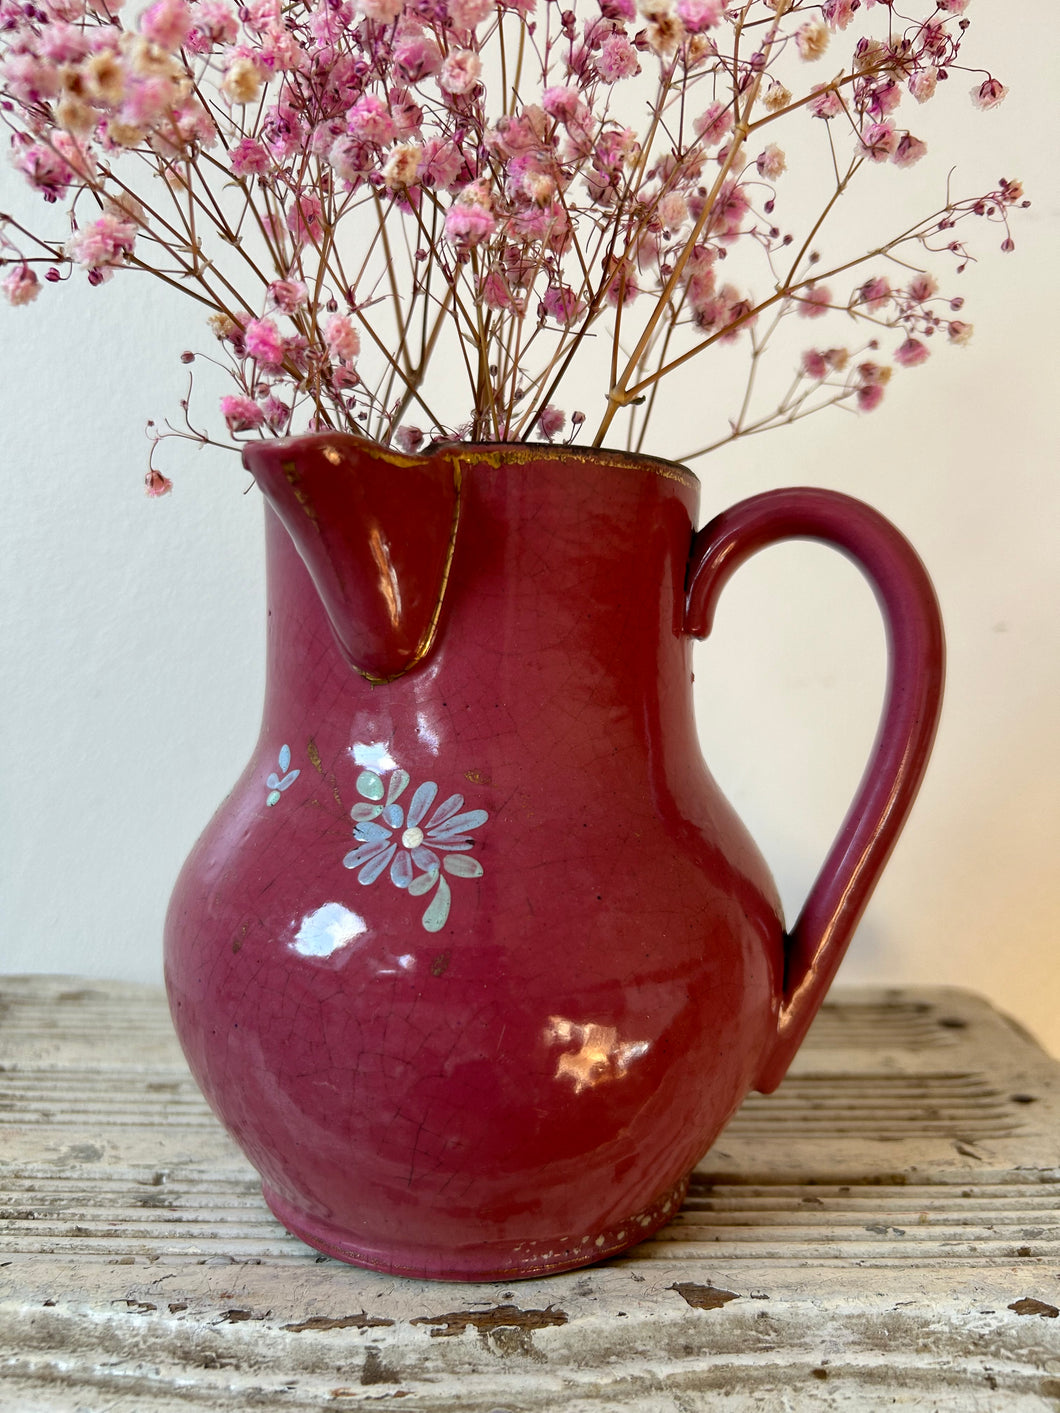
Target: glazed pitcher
475,961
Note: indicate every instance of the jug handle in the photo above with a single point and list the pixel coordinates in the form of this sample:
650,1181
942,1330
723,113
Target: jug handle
815,945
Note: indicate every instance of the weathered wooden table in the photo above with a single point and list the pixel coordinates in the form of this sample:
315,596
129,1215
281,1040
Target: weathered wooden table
883,1231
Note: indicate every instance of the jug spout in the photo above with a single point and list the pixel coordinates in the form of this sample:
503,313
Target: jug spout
376,531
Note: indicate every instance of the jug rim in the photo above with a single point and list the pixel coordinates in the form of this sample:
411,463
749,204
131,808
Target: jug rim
492,453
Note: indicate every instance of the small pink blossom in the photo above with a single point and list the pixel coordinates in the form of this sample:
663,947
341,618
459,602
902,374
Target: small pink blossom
726,219
21,286
700,15
922,287
469,224
839,13
815,302
713,123
563,104
304,219
216,22
550,422
288,296
166,23
989,93
814,365
623,287
248,158
106,242
264,342
958,332
369,121
382,11
562,304
827,103
28,78
443,164
869,396
45,171
771,162
875,293
342,338
880,141
923,83
494,291
280,50
469,14
460,71
912,352
617,59
409,439
352,160
155,484
673,210
910,149
276,413
241,414
417,57
63,44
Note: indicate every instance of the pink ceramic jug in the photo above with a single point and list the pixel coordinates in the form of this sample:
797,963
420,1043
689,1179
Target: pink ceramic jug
475,961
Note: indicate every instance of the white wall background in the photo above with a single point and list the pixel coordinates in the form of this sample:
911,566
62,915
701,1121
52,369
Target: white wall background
131,631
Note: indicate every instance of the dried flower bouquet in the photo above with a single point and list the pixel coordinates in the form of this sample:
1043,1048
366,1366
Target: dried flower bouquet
415,219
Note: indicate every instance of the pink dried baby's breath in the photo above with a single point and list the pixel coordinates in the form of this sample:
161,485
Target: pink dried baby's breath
342,338
264,342
368,157
910,149
713,123
617,59
460,71
551,422
288,296
166,23
21,286
155,484
911,353
241,414
989,93
814,302
700,15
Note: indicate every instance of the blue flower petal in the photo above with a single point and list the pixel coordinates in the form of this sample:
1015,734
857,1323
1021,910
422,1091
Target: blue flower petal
445,811
273,781
401,870
398,781
371,833
463,866
423,883
364,854
459,824
371,871
363,810
421,802
426,859
369,785
394,816
273,797
285,759
438,908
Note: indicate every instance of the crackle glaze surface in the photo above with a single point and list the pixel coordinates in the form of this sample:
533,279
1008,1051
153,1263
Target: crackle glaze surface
475,960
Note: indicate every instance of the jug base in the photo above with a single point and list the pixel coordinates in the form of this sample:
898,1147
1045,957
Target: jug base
487,1260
